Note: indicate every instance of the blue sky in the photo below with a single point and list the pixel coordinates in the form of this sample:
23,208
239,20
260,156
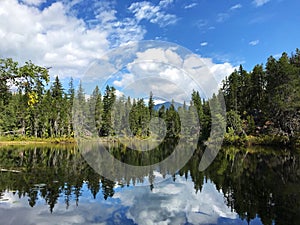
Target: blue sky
69,35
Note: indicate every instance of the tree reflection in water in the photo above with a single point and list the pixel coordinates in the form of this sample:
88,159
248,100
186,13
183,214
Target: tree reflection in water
254,182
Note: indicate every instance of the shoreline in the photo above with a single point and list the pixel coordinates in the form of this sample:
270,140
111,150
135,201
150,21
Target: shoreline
235,140
261,140
40,141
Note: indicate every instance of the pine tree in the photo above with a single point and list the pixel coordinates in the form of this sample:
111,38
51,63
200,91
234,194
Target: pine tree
109,99
56,91
70,99
172,122
283,93
151,105
80,113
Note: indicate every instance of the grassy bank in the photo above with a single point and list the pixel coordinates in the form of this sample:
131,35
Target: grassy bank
263,140
21,140
229,140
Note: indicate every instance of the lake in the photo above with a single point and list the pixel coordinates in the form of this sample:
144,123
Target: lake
54,184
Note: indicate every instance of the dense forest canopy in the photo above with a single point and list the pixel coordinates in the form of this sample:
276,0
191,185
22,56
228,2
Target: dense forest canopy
263,101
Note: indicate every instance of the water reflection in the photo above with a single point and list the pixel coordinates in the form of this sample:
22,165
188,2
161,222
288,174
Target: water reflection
54,185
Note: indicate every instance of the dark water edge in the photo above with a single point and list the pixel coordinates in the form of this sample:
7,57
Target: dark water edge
55,185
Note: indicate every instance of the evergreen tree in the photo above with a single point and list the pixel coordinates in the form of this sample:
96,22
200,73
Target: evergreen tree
230,91
151,105
173,123
70,99
257,89
80,113
162,115
57,104
98,108
283,93
243,94
139,118
109,99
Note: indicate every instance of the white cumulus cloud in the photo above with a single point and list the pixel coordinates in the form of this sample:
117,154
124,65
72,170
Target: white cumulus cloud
126,79
56,38
171,75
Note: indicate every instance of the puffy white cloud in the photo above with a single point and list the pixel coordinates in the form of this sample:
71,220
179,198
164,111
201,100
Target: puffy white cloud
170,71
127,79
158,70
170,75
55,37
219,70
204,43
258,3
155,14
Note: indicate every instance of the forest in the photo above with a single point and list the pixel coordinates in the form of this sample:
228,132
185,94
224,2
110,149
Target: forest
263,105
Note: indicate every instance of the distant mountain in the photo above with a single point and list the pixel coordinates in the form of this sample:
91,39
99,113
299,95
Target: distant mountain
167,105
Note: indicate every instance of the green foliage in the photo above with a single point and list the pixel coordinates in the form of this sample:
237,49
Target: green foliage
264,101
250,125
234,122
109,99
20,110
151,105
139,118
263,96
172,122
204,114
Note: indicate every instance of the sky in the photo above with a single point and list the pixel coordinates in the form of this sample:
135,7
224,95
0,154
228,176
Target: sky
68,35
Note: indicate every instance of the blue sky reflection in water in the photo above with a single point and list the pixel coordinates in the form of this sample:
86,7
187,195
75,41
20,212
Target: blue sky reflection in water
168,203
261,187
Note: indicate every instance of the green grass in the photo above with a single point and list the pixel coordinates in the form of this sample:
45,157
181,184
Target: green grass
248,140
25,140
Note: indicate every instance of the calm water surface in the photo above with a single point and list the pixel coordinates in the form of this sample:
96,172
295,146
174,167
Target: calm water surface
55,185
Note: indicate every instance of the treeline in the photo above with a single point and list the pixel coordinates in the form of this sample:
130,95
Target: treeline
28,107
106,115
266,100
